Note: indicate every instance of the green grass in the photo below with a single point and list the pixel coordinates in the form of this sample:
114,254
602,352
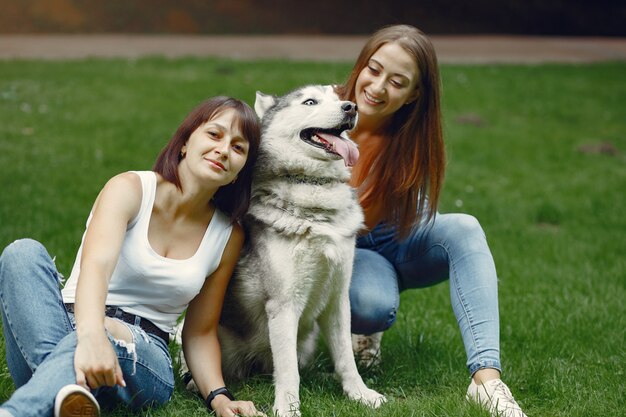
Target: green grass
554,214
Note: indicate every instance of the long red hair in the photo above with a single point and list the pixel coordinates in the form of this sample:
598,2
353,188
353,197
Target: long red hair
407,169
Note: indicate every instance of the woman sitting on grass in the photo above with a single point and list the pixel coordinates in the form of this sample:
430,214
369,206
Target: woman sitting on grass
399,175
157,242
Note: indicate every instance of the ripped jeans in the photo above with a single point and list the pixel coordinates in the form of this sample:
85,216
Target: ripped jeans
452,246
40,341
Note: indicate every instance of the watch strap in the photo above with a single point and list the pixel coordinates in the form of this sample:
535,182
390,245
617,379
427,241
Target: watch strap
215,393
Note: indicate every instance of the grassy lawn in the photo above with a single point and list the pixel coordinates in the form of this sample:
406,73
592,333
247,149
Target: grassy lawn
536,153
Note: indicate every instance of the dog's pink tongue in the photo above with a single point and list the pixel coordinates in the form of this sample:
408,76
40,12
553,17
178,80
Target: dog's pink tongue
344,148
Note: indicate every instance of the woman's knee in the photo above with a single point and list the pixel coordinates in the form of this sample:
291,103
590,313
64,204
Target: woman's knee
26,259
20,254
22,249
468,223
463,229
461,223
374,296
372,311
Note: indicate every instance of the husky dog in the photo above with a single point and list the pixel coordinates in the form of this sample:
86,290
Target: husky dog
293,276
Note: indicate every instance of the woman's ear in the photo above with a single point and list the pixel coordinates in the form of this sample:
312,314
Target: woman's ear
414,96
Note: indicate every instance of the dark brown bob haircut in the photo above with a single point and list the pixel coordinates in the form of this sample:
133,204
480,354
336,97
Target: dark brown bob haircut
232,199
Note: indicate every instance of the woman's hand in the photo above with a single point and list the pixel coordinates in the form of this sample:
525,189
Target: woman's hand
95,362
224,407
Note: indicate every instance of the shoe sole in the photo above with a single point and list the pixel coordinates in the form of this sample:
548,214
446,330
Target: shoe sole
78,405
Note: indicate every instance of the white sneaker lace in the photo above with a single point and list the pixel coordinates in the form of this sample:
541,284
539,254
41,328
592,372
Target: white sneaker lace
502,401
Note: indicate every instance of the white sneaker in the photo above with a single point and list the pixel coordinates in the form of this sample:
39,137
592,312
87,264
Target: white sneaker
496,397
75,401
366,348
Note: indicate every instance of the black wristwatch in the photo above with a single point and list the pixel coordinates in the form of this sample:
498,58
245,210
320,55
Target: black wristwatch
215,393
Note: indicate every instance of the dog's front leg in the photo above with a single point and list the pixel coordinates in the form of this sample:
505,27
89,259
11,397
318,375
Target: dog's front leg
335,325
283,333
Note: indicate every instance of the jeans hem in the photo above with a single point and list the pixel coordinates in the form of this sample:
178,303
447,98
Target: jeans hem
484,365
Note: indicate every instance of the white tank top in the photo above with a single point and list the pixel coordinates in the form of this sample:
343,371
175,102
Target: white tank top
150,285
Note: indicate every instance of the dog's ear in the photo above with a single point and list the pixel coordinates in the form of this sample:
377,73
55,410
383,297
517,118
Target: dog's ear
262,103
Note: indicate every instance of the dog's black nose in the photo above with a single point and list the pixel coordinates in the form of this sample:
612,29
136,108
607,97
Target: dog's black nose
349,107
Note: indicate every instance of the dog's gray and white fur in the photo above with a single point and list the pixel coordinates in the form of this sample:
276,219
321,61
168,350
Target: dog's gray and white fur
293,277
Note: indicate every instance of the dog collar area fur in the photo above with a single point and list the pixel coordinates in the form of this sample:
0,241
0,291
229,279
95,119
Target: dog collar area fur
305,179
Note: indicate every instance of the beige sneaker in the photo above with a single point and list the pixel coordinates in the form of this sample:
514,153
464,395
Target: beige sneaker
75,401
496,397
366,348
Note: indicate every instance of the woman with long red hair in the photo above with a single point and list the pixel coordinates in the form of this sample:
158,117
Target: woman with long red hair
407,243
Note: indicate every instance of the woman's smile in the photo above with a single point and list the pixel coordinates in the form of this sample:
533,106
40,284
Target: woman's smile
371,99
216,164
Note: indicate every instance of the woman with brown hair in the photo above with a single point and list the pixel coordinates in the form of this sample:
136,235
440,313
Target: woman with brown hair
156,243
407,244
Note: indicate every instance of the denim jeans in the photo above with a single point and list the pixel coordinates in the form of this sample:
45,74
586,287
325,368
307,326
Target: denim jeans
452,246
40,341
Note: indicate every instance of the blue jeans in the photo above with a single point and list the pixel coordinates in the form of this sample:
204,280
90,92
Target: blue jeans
452,246
40,341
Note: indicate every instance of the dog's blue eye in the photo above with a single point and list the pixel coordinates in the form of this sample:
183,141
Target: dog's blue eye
309,102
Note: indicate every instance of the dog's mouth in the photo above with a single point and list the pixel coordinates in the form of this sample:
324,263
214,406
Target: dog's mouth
331,141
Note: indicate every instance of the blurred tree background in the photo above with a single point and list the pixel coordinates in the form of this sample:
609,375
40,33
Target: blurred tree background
515,17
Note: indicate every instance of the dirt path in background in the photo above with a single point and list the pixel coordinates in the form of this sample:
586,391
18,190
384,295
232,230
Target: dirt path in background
450,49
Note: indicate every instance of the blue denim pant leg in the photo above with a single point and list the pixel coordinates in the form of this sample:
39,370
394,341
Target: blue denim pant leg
34,323
41,341
452,246
33,314
147,369
374,294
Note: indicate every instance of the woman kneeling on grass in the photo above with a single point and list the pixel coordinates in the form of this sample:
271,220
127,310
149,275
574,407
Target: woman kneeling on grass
157,242
395,83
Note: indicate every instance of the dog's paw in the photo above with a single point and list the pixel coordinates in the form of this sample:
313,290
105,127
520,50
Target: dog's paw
292,412
286,408
368,397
